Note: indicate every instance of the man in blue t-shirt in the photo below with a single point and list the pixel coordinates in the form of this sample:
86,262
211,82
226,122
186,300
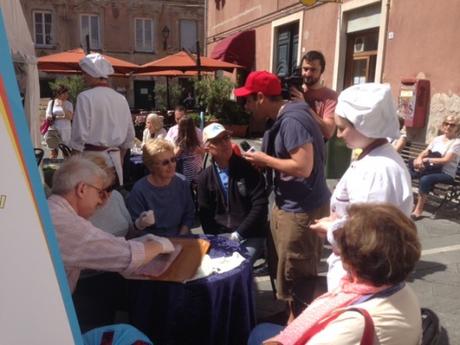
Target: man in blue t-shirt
293,154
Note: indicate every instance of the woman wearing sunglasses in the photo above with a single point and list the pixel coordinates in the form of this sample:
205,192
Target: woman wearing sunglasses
163,192
447,146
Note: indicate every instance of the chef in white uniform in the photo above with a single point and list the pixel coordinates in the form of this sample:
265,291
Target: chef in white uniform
102,120
365,118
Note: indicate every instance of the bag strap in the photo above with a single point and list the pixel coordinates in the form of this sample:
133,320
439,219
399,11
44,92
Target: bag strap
369,331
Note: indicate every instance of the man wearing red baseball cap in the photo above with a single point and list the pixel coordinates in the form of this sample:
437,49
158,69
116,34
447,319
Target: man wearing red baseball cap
293,154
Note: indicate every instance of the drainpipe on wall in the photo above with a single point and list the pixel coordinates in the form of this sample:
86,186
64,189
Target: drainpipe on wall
205,41
383,36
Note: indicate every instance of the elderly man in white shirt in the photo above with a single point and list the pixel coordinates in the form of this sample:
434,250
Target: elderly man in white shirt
102,120
78,189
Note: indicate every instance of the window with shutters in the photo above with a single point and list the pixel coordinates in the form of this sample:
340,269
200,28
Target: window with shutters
188,34
90,26
144,34
43,25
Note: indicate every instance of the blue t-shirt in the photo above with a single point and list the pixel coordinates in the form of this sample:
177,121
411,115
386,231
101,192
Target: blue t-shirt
297,128
172,205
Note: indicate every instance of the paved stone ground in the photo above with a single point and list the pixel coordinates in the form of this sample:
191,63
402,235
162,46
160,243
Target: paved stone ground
436,279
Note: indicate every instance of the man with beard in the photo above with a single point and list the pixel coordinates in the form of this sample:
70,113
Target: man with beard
321,99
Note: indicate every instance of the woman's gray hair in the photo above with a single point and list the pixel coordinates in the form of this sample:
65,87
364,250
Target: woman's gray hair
157,120
75,170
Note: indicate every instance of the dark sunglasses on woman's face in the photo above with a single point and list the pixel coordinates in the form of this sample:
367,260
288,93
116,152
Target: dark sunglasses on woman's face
165,162
449,124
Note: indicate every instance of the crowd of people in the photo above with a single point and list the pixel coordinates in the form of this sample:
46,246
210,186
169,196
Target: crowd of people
366,219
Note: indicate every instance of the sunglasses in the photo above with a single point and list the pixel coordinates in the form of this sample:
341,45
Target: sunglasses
449,124
165,162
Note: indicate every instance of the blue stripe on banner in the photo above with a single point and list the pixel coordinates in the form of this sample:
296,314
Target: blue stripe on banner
26,149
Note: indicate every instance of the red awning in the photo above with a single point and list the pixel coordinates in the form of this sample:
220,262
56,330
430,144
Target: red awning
239,48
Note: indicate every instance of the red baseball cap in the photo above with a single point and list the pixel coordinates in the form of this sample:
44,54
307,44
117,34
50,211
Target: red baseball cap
260,81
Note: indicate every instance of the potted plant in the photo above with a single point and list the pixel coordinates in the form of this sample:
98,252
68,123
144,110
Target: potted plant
212,94
235,118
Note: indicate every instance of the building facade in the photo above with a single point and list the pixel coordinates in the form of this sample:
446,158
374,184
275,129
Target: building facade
362,40
138,31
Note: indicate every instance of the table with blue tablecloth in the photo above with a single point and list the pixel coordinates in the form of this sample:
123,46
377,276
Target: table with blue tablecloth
216,310
133,168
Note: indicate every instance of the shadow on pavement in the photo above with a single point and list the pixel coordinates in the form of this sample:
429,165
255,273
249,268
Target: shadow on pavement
424,268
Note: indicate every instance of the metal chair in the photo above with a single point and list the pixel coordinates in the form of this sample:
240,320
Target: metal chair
66,151
39,153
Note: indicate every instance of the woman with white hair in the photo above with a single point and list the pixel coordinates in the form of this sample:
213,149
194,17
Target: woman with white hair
443,151
163,192
365,118
153,128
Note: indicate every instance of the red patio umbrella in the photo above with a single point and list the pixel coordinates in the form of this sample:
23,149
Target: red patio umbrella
184,61
67,62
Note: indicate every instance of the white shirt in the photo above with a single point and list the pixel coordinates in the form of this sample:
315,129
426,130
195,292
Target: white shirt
62,124
174,131
102,117
443,146
146,136
380,176
395,318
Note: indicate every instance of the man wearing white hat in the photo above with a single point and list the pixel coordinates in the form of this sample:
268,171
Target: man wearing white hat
232,197
365,118
102,120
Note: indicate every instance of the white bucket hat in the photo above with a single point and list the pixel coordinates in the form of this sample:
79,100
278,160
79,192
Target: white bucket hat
370,108
96,66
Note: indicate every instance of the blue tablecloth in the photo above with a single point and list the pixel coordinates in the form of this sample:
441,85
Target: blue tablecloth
133,169
216,310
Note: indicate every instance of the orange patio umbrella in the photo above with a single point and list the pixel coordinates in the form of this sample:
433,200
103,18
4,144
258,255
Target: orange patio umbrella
184,61
167,73
67,62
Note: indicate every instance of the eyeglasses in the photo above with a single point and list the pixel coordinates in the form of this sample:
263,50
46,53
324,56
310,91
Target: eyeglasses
102,192
449,124
220,140
165,162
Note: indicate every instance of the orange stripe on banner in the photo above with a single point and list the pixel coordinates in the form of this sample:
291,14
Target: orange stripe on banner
7,114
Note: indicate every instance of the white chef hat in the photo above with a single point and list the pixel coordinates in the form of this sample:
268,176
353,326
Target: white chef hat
96,66
370,108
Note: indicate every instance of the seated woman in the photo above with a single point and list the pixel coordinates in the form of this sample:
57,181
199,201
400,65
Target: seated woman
112,216
162,192
153,128
379,248
448,147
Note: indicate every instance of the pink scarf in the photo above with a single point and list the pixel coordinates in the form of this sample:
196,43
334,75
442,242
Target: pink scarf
315,317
